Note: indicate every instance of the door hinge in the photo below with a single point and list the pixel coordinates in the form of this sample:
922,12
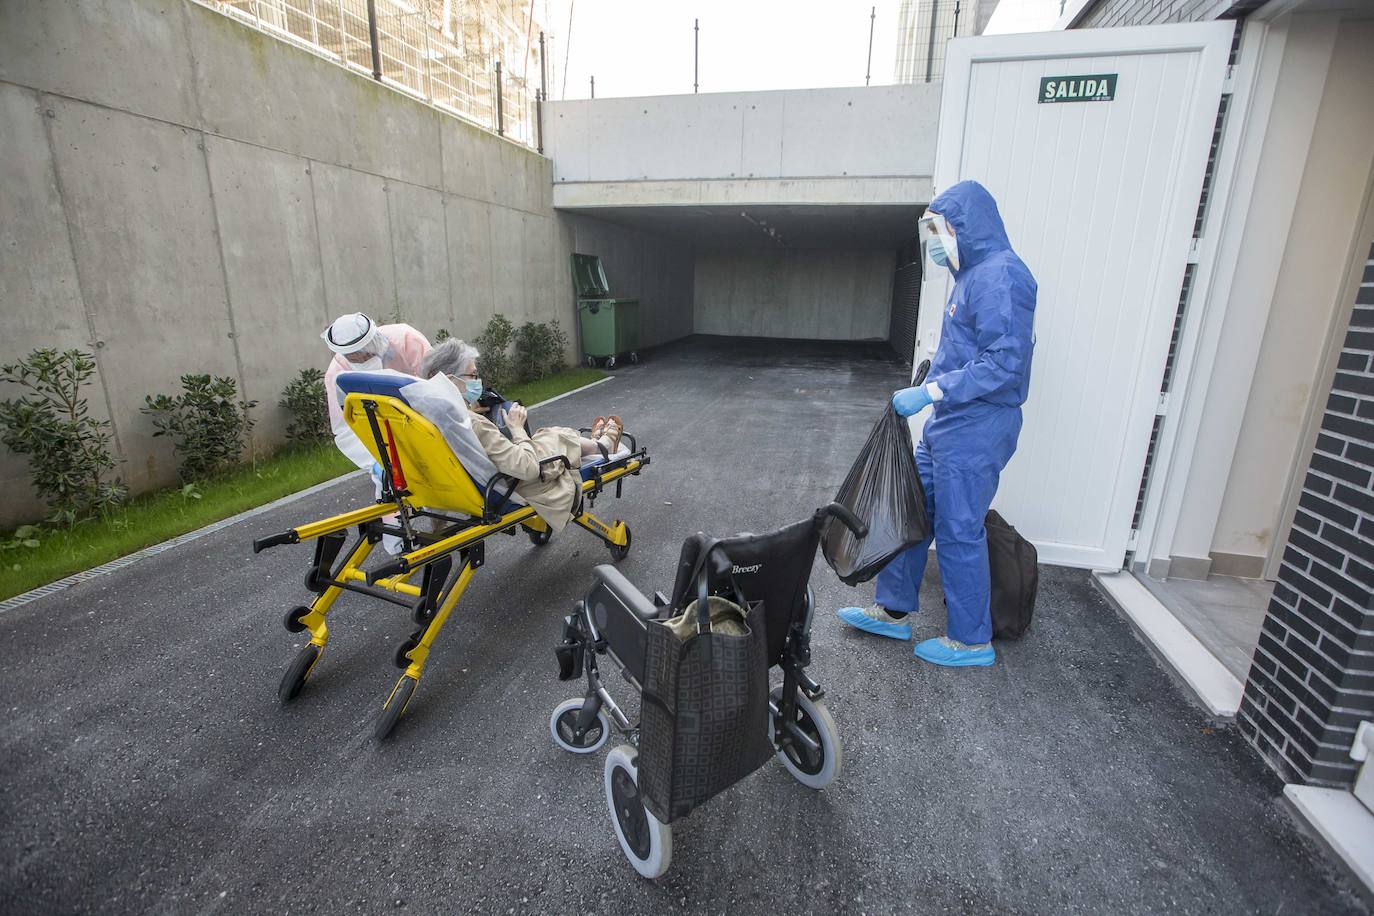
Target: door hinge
1162,405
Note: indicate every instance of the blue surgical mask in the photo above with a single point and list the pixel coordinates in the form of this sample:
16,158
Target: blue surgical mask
937,252
472,389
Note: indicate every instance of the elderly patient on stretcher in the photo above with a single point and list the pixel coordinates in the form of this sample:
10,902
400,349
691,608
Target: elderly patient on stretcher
552,491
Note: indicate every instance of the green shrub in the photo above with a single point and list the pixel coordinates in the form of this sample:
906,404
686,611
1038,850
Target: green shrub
207,423
441,335
538,350
305,400
69,451
494,343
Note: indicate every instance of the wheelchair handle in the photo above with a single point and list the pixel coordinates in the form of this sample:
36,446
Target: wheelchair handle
919,376
275,540
847,518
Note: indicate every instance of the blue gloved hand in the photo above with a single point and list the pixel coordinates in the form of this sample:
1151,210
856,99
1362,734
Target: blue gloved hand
376,472
911,401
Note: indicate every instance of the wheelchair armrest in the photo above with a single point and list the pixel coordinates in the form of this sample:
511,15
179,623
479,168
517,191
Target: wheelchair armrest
554,459
615,582
489,506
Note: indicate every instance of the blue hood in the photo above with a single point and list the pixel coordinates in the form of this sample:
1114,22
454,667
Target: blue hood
978,227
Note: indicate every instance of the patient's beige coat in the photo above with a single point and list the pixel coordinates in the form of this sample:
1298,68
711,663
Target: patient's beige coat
554,496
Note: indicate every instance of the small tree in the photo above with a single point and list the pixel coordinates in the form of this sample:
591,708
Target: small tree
494,343
207,423
305,400
539,350
69,451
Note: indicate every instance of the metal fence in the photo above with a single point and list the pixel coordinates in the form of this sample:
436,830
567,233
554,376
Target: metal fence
468,59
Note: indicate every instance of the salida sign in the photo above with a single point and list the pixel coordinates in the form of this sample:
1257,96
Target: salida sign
1097,87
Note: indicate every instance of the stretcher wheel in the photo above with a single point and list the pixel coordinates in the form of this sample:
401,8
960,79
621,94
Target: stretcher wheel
816,768
294,678
621,551
646,841
395,707
401,661
540,538
292,621
563,726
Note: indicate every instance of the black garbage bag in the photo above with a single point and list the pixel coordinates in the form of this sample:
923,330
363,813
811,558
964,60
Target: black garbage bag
884,491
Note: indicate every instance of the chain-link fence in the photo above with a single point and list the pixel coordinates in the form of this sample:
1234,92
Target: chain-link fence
471,59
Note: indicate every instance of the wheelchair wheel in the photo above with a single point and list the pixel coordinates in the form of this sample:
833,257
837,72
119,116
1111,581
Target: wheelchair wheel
540,538
816,768
294,678
621,551
646,842
292,621
563,724
395,707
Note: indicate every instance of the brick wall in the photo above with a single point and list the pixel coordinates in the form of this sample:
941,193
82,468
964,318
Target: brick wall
1109,13
1312,678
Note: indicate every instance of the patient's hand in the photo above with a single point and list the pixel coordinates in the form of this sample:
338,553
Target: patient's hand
515,415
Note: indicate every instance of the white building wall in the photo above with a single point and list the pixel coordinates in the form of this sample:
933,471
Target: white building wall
879,131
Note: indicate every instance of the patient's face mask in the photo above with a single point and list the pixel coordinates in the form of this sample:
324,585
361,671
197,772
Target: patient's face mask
470,387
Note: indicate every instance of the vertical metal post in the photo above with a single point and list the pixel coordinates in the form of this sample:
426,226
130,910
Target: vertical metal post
539,119
872,18
372,38
429,61
696,54
956,19
500,112
543,68
593,86
930,46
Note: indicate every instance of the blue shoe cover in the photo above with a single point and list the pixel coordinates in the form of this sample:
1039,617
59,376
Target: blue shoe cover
875,620
951,654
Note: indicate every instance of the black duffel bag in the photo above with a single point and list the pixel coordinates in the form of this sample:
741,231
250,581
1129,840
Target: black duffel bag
1015,578
704,709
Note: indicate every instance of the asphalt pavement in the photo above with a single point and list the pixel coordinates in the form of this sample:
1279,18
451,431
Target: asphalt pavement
146,764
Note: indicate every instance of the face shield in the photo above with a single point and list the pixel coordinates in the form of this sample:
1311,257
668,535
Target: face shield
356,339
937,240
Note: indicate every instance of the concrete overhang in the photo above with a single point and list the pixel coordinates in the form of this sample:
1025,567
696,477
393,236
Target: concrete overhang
843,191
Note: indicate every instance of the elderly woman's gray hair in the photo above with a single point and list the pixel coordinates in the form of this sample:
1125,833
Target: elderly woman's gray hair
451,357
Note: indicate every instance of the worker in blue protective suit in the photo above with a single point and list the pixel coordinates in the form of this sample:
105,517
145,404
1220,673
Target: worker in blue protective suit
977,382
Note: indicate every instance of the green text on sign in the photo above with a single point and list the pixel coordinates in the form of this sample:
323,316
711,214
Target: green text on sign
1097,87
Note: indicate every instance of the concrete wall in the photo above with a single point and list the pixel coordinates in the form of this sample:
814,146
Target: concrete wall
1315,151
809,133
812,295
639,265
1307,302
181,193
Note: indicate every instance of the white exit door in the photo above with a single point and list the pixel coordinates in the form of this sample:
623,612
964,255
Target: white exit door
1095,144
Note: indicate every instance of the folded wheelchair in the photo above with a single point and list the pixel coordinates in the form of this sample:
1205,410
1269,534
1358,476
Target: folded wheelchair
612,622
439,510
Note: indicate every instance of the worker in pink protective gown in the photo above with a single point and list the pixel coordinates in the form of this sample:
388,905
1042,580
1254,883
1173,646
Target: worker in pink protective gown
359,345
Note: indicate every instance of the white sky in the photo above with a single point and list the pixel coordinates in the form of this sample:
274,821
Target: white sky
644,47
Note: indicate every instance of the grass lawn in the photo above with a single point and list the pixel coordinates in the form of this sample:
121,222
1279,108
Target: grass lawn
155,517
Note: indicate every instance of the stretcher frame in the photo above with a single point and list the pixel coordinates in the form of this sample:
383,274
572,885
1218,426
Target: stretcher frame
468,516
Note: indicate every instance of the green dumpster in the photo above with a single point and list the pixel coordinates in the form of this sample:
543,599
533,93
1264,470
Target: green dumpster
609,327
